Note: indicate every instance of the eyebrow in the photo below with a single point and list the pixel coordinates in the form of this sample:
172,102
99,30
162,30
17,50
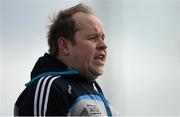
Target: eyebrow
97,34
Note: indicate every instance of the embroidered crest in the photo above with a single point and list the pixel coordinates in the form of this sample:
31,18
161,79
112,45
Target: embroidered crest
93,109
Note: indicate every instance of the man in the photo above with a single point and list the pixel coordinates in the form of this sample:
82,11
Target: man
63,81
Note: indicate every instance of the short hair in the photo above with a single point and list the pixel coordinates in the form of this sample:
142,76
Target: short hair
63,25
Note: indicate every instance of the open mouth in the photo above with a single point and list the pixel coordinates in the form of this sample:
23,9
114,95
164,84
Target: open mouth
100,59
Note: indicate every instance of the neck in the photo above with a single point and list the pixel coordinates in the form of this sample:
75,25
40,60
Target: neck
86,74
66,61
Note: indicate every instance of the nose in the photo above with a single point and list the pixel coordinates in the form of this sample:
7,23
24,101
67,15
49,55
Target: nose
101,45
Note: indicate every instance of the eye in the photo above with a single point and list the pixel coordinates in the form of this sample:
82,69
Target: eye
93,38
96,37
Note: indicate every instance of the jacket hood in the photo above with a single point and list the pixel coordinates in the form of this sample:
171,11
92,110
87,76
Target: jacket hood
47,63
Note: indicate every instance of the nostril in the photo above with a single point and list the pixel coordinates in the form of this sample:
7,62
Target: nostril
102,45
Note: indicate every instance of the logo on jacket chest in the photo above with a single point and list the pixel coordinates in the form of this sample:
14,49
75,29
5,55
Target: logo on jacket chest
93,109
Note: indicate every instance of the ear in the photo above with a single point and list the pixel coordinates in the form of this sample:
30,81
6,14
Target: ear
64,45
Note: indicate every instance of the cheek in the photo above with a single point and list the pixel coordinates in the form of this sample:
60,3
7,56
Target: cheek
87,56
84,53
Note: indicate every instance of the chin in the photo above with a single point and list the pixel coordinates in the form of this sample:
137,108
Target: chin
95,72
94,75
99,72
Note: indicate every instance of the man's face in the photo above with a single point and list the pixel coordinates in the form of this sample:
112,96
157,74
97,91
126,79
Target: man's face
89,52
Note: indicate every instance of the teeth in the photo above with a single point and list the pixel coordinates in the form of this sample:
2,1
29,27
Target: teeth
101,57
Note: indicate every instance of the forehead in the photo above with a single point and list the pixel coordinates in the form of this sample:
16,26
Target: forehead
87,21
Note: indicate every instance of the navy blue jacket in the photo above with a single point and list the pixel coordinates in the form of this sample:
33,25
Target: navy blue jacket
54,90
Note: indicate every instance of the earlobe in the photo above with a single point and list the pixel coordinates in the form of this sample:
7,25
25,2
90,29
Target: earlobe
63,46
